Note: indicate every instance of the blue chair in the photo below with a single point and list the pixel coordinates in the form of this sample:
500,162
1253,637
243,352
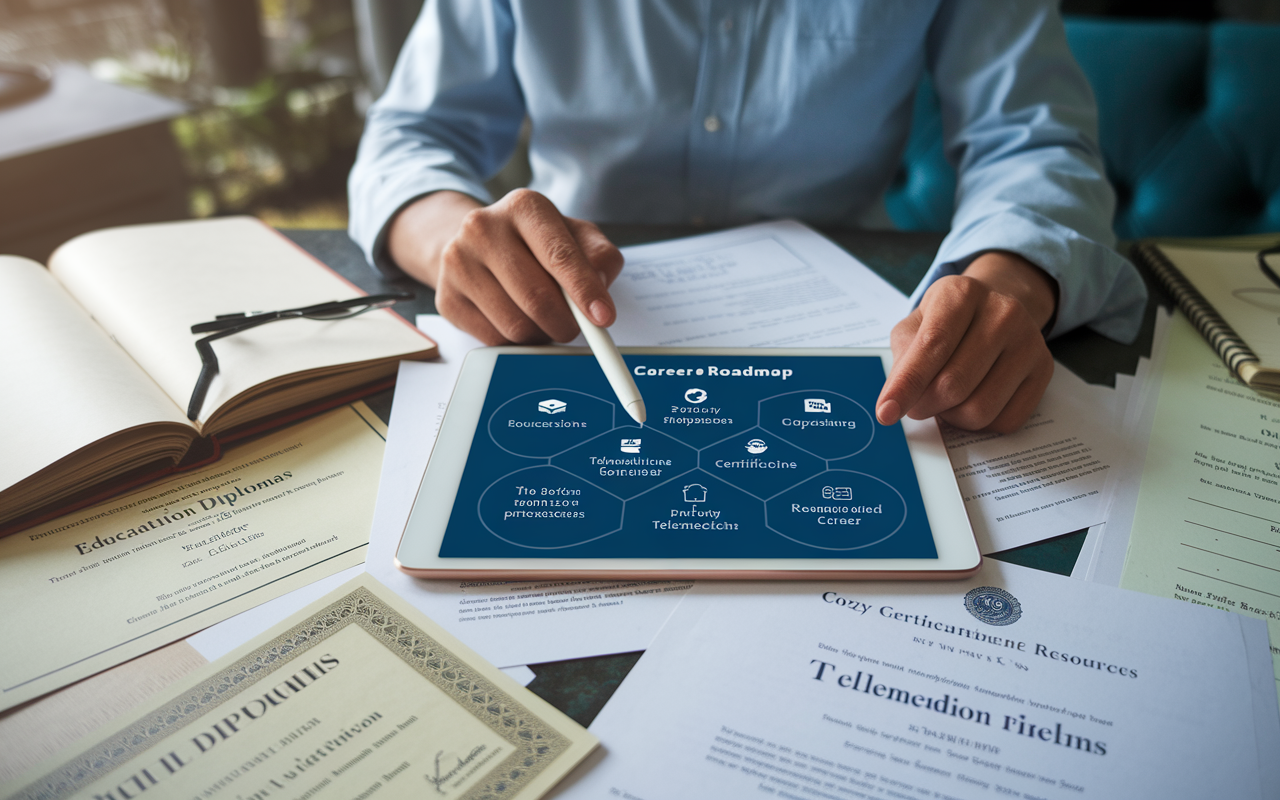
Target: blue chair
1189,122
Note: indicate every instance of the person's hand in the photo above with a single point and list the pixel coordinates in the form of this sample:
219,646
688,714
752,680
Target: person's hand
971,353
498,270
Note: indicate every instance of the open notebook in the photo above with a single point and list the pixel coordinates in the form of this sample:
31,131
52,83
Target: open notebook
98,359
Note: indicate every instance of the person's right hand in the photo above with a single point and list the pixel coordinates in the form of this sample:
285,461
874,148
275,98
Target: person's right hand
498,270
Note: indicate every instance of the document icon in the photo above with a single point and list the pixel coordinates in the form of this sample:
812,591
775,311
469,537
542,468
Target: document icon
816,405
552,406
631,445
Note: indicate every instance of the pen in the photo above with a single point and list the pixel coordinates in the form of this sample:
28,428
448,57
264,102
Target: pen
615,369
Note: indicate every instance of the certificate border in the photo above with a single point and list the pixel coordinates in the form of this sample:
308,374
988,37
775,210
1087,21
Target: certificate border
536,743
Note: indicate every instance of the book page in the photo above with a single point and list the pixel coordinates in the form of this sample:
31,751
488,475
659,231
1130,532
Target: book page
148,284
67,385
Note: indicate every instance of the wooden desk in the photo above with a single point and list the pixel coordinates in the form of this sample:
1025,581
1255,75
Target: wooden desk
581,687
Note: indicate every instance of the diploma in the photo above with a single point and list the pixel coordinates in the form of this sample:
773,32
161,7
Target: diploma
1208,511
98,587
357,696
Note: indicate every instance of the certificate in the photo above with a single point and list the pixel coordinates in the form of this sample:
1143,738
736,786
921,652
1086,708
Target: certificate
1015,683
95,588
356,696
1207,525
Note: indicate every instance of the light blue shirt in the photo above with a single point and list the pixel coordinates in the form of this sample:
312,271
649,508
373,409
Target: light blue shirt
719,112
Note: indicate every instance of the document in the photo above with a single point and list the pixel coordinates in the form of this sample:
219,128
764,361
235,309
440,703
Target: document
1047,478
1206,529
1015,683
105,584
355,697
1110,541
774,284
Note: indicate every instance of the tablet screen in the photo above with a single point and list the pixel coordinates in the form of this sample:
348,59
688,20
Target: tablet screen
741,457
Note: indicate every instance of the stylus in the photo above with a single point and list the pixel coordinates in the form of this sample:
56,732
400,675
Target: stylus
615,369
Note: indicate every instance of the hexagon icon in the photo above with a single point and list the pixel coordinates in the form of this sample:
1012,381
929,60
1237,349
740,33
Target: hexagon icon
824,423
838,510
545,508
544,422
759,463
628,460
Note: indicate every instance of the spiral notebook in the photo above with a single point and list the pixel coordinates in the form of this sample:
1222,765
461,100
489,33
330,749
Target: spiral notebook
1227,297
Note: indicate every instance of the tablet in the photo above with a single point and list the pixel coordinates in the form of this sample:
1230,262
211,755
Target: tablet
754,463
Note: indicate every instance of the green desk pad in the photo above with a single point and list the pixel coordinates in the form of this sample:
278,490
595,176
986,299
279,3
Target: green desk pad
581,687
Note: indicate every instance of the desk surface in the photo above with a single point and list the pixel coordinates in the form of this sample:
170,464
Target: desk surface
581,687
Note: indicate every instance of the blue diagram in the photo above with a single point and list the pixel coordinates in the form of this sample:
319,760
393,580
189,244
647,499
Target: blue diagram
740,457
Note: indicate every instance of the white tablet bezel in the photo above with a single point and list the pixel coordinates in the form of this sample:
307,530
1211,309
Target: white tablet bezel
418,551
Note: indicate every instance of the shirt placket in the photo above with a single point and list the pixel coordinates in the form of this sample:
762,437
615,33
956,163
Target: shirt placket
717,105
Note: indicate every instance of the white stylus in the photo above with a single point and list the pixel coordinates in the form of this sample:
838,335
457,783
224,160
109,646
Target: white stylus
615,369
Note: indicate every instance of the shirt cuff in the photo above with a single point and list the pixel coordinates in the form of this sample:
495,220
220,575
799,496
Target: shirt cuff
1096,285
371,224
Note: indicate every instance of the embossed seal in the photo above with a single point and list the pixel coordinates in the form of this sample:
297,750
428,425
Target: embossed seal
993,605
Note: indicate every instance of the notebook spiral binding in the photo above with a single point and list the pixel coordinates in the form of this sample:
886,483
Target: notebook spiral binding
1232,349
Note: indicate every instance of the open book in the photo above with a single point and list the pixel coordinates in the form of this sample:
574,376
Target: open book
1221,289
98,362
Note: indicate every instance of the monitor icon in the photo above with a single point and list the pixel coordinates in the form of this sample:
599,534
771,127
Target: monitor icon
816,405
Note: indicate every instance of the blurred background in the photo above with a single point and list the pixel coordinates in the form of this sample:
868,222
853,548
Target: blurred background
163,109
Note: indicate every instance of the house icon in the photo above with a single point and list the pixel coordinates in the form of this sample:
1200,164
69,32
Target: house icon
695,493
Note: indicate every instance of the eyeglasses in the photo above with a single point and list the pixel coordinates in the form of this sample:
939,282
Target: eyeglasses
1265,267
228,324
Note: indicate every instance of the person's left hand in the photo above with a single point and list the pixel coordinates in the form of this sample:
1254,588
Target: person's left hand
972,353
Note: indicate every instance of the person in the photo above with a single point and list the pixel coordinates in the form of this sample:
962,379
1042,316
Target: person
721,112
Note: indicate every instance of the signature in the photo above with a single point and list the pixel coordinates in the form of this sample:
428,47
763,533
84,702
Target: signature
451,774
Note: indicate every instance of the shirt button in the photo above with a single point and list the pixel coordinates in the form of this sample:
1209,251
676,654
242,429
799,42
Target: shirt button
711,123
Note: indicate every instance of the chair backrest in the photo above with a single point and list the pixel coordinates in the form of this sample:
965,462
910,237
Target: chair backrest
1189,122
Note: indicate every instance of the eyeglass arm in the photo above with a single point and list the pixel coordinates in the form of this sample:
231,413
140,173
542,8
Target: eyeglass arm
208,368
227,321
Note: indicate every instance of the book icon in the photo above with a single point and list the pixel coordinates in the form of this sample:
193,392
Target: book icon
630,446
552,406
816,405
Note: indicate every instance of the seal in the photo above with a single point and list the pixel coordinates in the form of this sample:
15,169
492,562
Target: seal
993,605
